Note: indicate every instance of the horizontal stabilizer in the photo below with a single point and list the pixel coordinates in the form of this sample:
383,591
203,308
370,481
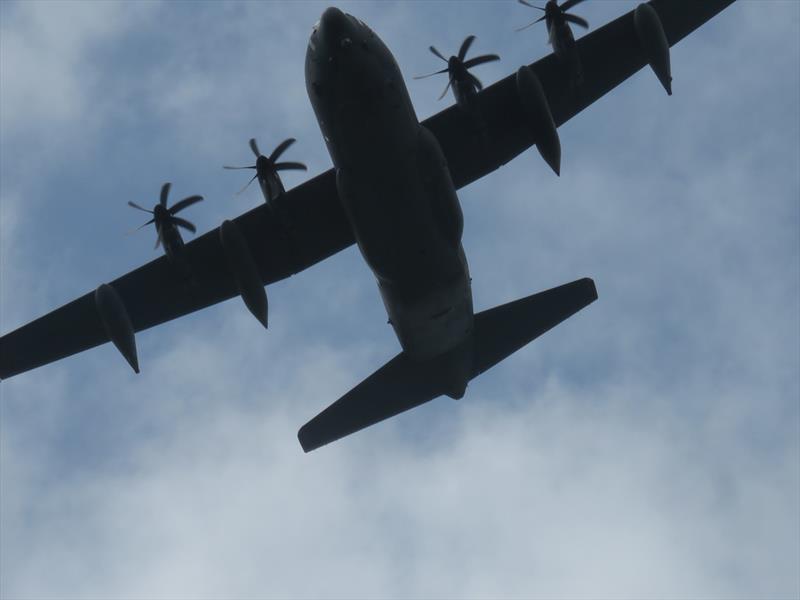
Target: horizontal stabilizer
501,331
402,384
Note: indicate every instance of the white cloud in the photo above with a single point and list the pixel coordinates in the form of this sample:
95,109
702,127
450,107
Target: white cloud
50,53
646,448
561,500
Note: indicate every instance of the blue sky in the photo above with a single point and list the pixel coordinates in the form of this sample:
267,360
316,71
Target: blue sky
649,447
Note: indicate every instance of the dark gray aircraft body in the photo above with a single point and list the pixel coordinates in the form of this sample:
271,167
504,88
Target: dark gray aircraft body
394,185
392,191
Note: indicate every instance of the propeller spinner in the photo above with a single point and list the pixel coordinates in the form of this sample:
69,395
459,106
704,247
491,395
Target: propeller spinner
464,83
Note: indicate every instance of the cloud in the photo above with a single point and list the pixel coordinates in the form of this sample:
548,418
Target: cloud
646,448
563,499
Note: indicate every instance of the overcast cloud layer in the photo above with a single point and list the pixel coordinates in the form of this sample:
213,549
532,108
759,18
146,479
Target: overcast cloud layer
647,448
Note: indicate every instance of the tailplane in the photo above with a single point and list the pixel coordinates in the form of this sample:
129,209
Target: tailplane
402,384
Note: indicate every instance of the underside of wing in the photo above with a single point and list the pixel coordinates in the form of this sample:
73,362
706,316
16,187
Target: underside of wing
608,56
311,228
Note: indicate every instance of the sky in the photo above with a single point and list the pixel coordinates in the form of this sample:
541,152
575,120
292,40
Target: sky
649,447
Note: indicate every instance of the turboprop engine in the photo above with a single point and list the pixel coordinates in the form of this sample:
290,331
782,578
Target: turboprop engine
651,36
539,118
244,270
116,323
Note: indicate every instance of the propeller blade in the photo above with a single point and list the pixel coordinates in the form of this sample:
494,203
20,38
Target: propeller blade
576,20
528,25
569,4
134,205
291,166
237,168
444,93
437,53
479,60
281,149
465,45
431,74
179,206
254,147
132,231
164,194
247,185
476,82
184,223
158,238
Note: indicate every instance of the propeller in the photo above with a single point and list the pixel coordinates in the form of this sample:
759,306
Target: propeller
553,11
163,216
266,165
458,68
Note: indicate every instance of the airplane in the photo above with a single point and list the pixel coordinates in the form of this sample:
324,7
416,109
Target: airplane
393,192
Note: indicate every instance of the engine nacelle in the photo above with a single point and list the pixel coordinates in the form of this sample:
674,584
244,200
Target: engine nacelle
117,323
654,42
244,270
539,118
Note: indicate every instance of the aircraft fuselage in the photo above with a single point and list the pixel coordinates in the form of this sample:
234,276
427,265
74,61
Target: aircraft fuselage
394,185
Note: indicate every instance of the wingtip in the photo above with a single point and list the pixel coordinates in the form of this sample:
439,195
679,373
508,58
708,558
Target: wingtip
591,287
302,437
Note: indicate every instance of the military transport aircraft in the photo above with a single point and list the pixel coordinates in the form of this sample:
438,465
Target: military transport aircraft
392,191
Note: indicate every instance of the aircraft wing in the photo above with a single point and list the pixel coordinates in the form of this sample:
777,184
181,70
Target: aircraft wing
318,228
609,55
153,293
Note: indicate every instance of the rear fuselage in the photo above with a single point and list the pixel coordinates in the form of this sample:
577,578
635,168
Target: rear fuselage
394,185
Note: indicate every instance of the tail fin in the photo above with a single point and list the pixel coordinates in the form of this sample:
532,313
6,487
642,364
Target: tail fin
402,384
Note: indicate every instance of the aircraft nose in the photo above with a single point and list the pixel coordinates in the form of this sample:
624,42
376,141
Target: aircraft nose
334,27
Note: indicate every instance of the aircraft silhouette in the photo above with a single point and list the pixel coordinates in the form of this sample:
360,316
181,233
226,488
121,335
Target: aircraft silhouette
392,191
